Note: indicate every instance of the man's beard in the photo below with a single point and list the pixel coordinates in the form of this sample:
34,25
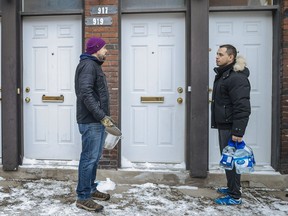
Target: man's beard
102,57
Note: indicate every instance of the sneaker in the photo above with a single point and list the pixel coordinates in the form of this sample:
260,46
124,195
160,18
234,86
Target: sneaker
97,195
89,205
228,200
223,190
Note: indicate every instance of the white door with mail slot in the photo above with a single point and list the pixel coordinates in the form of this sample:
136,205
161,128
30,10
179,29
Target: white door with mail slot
153,88
51,49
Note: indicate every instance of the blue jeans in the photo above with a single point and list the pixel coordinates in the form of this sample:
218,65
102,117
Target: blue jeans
93,137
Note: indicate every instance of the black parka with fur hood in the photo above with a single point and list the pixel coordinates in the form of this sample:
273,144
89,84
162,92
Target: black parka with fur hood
230,107
91,90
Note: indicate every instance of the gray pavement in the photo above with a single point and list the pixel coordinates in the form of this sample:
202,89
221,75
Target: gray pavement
50,191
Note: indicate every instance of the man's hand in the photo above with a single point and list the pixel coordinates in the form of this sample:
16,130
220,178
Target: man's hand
236,139
107,121
110,127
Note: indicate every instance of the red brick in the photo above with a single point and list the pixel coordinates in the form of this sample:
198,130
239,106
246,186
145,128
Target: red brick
110,67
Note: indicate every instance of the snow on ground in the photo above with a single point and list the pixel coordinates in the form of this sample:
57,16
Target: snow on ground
50,197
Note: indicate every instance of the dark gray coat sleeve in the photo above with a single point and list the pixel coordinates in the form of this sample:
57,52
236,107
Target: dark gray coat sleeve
239,94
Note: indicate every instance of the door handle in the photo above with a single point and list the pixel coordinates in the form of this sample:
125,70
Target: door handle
180,90
180,100
27,99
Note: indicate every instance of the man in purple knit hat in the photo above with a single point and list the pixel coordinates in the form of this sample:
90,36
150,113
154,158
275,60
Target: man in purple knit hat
93,118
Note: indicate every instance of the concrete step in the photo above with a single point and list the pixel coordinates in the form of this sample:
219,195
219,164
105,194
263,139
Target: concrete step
216,178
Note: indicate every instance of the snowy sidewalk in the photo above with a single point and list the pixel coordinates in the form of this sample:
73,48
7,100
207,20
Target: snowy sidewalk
51,197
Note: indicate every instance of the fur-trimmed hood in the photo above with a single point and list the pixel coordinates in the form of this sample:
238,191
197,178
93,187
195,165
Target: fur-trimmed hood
240,64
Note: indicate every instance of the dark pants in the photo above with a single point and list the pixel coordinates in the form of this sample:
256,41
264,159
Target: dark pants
233,179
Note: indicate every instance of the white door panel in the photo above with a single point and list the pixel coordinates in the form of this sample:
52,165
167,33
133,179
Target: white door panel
51,53
153,65
251,34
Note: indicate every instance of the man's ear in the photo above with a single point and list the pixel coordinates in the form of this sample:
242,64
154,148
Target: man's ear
231,57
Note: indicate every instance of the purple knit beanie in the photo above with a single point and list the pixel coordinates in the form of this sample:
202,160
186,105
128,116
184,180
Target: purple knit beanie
94,44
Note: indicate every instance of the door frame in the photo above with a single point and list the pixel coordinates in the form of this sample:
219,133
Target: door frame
198,80
11,84
0,99
276,91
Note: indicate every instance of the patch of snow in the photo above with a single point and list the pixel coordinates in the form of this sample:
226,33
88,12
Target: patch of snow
105,186
187,187
69,164
159,167
126,163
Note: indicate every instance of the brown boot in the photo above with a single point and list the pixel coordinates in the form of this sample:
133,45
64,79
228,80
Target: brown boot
89,205
97,195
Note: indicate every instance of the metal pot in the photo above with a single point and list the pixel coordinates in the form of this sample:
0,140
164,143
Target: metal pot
111,141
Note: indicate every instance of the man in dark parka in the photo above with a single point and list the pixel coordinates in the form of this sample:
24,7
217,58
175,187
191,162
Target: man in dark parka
230,111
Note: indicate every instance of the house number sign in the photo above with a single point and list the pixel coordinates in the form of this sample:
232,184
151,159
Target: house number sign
98,21
103,9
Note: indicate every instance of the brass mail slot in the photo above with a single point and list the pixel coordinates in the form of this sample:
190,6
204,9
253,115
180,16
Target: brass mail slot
152,99
57,99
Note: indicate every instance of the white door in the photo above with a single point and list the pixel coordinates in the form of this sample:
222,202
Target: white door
251,34
51,50
153,68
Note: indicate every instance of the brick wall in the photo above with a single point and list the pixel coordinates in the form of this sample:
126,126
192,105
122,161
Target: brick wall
284,92
111,67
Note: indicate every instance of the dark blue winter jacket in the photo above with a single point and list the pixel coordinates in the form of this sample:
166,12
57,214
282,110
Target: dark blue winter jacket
91,90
